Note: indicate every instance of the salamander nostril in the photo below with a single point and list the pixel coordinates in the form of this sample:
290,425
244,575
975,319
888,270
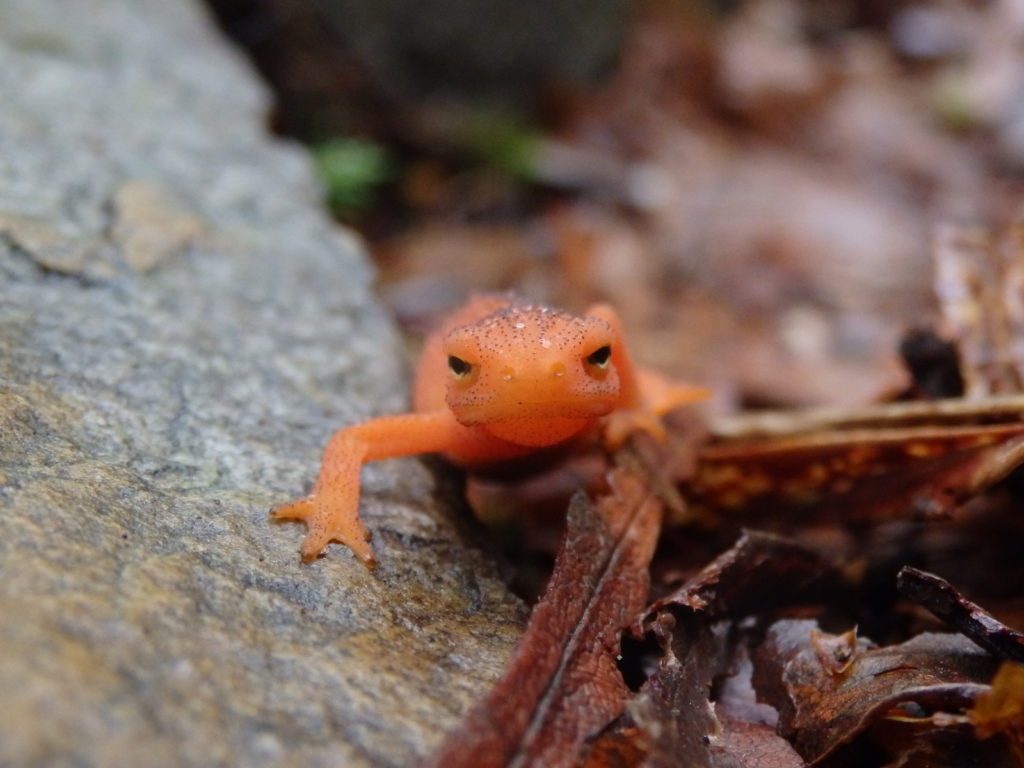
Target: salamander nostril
557,369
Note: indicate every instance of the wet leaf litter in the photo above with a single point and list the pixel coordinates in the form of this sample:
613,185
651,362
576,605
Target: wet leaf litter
822,640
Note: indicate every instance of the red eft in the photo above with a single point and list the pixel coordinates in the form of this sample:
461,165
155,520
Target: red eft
498,380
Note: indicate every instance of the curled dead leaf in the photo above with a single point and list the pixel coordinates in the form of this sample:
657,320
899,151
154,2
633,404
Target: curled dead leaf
823,712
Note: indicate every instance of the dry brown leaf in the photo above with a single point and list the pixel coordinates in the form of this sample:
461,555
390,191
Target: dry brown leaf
758,573
673,709
823,711
694,626
918,460
562,685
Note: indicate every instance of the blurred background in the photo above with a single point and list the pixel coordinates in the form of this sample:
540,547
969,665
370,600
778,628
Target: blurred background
756,185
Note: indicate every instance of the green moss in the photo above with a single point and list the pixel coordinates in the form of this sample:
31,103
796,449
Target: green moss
353,170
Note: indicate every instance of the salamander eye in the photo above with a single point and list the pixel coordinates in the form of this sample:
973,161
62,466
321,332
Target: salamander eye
460,368
600,357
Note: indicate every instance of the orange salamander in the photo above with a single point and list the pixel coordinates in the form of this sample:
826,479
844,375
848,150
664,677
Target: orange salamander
500,379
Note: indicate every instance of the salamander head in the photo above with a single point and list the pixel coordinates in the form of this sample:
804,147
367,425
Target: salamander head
529,373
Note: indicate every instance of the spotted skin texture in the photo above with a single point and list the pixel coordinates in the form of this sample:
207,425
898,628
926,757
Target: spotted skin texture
499,380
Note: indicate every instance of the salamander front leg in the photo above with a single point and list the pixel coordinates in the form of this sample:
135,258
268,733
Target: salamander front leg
331,511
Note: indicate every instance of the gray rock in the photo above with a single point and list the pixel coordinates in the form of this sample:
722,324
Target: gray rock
181,329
